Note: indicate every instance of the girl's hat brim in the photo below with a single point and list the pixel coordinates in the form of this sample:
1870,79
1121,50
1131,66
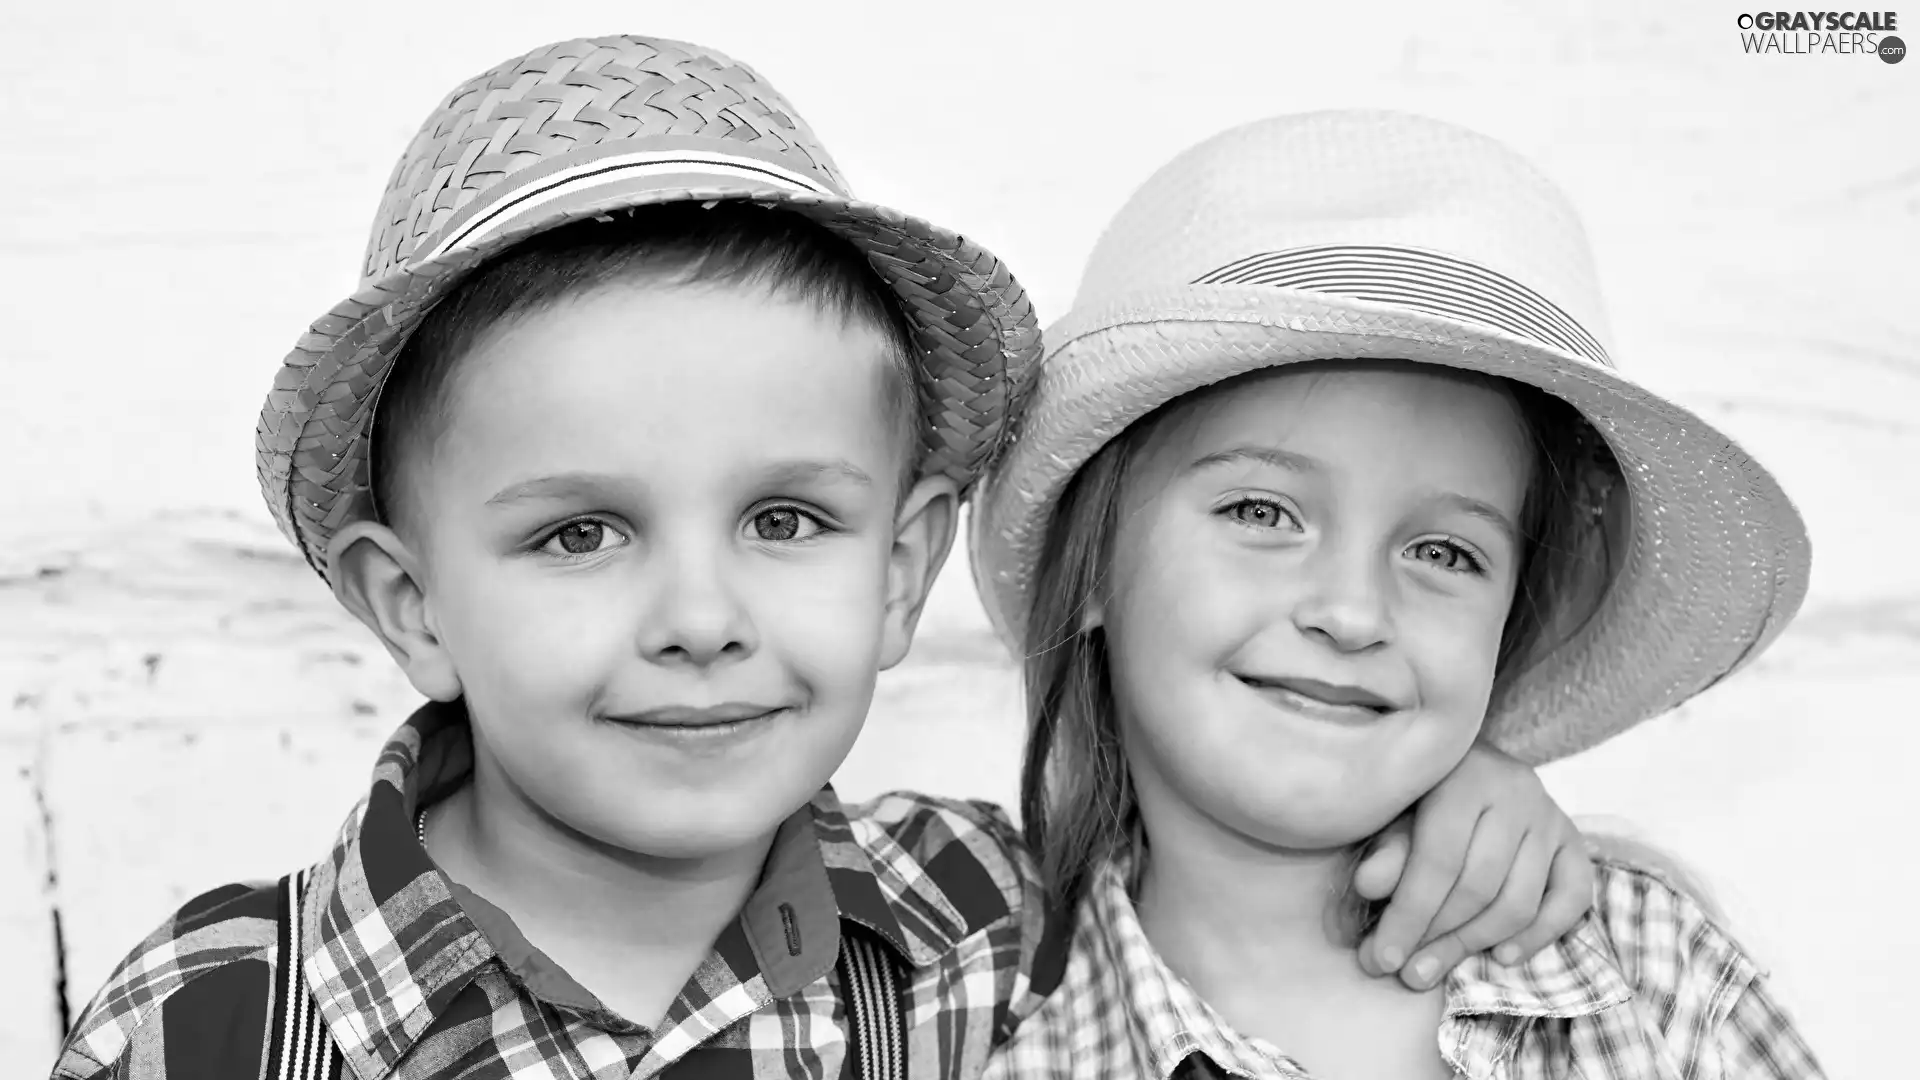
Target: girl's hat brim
586,129
1716,558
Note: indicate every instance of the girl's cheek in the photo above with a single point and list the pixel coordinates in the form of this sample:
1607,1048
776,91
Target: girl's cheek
1459,657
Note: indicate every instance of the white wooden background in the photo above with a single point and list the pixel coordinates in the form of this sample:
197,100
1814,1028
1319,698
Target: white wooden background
186,185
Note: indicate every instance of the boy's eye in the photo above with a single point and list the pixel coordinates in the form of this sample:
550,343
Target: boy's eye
584,537
783,523
1446,555
1261,514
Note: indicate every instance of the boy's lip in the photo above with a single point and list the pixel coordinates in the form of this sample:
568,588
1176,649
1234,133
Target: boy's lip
1338,695
687,716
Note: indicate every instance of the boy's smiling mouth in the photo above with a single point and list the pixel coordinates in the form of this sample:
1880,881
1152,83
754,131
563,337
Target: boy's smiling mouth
1319,700
709,728
684,716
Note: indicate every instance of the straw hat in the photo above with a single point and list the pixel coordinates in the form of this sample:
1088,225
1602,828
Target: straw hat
1378,235
576,130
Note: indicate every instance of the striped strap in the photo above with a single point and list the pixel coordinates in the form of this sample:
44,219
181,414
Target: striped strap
658,168
300,1049
298,1046
873,986
1427,281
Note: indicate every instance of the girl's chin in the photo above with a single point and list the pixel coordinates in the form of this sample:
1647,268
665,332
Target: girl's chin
1332,833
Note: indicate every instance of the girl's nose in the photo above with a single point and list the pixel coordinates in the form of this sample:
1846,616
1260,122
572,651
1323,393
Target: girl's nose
1346,602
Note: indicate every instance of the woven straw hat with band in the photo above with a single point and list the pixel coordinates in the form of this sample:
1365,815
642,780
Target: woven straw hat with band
582,129
1357,235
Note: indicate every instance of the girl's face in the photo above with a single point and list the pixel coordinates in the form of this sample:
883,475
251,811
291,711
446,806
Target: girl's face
1310,577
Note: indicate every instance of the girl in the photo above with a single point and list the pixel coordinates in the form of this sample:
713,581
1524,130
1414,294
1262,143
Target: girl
1328,477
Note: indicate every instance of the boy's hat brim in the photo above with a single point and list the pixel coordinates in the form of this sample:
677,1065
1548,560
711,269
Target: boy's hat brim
585,129
1715,558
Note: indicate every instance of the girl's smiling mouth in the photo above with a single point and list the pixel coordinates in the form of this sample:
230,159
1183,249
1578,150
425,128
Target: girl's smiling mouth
1318,700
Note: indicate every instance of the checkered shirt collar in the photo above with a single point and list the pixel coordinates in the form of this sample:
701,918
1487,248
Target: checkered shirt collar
1162,1016
387,947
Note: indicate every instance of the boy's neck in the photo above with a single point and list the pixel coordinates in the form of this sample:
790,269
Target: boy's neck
558,885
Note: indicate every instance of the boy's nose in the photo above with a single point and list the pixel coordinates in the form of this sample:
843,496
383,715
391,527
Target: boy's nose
696,618
1346,602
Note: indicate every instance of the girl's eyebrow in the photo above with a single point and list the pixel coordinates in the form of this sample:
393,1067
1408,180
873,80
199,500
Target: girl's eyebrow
1265,455
1301,463
1472,507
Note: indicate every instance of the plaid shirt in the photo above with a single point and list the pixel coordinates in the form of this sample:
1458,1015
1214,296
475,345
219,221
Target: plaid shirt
1647,988
415,983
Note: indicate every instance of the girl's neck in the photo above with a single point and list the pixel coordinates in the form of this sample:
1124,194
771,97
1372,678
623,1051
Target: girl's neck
1257,932
1278,913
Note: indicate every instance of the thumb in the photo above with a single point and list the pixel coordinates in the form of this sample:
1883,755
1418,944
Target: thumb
1379,873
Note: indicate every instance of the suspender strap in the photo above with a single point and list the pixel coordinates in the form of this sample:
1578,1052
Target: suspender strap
874,986
298,1046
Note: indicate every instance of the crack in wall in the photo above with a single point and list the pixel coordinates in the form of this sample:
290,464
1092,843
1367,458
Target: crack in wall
62,1014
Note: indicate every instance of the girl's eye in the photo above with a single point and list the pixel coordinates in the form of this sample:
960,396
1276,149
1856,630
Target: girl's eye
781,524
583,537
1447,555
1261,514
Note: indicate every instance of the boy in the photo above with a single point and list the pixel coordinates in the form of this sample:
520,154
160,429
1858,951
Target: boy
639,451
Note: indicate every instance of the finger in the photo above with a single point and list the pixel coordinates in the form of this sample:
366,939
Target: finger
1438,852
1378,874
1489,867
1568,898
1513,909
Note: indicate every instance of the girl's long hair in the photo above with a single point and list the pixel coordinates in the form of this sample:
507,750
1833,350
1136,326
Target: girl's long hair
1077,802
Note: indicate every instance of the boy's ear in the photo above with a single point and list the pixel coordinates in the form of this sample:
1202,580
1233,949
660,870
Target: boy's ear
376,577
922,536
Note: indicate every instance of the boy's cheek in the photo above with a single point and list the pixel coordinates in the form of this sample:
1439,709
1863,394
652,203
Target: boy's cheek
556,650
834,623
559,636
846,586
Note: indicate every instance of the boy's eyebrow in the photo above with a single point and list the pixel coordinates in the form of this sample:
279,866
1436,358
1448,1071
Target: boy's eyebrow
794,472
1265,455
578,484
558,486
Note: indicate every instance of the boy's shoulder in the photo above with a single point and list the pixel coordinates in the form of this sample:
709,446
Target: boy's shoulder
961,847
193,995
929,828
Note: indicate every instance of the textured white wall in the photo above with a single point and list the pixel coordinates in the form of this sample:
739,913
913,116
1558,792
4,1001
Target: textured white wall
186,188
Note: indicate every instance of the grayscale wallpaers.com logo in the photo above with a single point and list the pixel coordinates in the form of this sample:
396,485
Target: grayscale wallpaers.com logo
1807,33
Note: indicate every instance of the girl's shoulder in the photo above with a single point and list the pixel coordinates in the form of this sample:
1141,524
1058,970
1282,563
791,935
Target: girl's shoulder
1669,936
1693,982
1625,857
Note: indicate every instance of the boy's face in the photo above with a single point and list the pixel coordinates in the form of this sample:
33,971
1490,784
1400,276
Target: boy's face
657,547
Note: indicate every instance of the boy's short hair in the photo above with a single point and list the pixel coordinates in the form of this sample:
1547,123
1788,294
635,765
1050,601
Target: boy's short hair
682,243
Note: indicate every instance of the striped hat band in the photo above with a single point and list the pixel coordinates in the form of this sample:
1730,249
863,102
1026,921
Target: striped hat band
1426,281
